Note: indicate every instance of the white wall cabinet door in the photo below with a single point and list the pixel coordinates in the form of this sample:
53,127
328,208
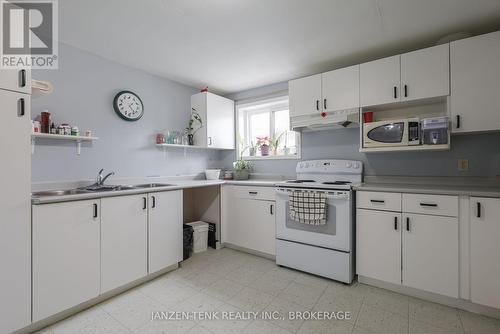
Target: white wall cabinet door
66,253
217,114
15,211
378,245
251,224
165,229
305,95
16,80
425,73
380,81
475,78
340,89
430,253
123,240
220,121
484,251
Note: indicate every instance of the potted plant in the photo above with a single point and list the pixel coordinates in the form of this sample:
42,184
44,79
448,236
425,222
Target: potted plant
195,123
274,142
252,149
241,169
263,143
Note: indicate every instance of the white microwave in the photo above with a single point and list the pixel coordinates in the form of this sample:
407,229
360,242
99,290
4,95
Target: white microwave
402,132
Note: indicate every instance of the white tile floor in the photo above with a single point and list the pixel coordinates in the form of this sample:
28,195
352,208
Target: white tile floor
228,280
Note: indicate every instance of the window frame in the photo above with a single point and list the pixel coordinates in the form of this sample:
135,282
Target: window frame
272,127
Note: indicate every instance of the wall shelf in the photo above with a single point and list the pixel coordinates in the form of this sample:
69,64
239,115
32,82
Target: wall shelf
414,148
191,147
77,139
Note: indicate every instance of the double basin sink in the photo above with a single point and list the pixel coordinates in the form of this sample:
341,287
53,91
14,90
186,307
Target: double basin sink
96,189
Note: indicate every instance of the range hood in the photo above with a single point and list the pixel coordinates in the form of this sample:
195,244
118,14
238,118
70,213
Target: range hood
339,119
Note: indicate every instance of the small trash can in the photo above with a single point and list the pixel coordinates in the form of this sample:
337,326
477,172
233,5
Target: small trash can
200,236
188,241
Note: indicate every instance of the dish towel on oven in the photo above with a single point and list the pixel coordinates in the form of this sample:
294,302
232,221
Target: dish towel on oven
308,207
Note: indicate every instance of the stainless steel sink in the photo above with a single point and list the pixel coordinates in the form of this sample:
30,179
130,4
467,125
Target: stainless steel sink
60,192
108,188
153,185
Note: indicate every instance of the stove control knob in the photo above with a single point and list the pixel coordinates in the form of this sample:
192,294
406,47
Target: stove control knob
301,165
356,165
349,165
307,165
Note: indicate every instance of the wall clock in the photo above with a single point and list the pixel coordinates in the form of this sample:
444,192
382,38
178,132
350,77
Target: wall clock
128,106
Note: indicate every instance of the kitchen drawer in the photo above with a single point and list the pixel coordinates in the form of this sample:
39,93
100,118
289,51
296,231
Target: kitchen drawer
378,200
252,192
431,204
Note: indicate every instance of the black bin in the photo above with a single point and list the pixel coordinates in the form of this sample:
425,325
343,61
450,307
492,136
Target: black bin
188,241
212,241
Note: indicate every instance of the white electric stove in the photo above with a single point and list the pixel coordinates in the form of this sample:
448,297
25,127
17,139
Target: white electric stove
325,250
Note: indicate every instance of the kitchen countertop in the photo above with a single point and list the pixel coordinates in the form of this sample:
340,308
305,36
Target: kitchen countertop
178,184
467,190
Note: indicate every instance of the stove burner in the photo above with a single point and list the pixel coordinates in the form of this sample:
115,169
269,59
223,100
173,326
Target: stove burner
338,182
300,181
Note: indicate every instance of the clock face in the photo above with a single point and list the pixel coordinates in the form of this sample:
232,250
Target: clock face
128,106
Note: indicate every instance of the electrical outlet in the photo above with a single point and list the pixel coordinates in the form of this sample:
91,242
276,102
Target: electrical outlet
463,165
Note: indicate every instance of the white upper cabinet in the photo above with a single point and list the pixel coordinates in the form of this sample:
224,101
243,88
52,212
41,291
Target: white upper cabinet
475,82
15,210
484,250
16,80
380,81
416,75
340,89
305,95
66,253
425,73
165,229
123,240
217,114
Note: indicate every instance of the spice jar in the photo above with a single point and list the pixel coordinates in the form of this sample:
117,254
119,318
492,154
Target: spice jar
75,131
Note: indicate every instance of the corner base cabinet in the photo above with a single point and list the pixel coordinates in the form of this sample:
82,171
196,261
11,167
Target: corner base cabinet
66,244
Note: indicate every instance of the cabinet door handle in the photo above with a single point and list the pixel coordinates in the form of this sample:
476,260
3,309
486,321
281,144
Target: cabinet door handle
145,203
377,201
396,223
209,141
317,105
408,224
154,202
395,92
252,193
271,209
324,104
478,210
433,205
95,210
458,121
21,107
406,90
22,82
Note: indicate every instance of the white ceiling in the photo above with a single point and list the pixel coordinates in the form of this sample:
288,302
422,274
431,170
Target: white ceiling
233,45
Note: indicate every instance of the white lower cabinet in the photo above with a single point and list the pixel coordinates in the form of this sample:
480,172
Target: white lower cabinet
124,222
164,229
65,256
416,250
430,253
485,250
249,222
378,245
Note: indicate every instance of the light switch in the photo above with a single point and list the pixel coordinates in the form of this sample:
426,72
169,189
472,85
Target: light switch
463,165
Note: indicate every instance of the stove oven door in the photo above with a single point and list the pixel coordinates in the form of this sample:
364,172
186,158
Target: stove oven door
335,234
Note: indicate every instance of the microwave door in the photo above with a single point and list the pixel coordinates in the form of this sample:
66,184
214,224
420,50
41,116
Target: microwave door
388,134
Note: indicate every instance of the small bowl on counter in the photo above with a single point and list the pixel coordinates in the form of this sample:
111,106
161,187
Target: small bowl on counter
212,174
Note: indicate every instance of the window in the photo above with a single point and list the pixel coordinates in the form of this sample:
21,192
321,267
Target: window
264,130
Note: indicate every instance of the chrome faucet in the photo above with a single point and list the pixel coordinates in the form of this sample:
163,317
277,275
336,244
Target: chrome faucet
100,179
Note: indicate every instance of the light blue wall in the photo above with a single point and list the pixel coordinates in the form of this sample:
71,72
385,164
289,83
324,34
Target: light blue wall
85,85
482,150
